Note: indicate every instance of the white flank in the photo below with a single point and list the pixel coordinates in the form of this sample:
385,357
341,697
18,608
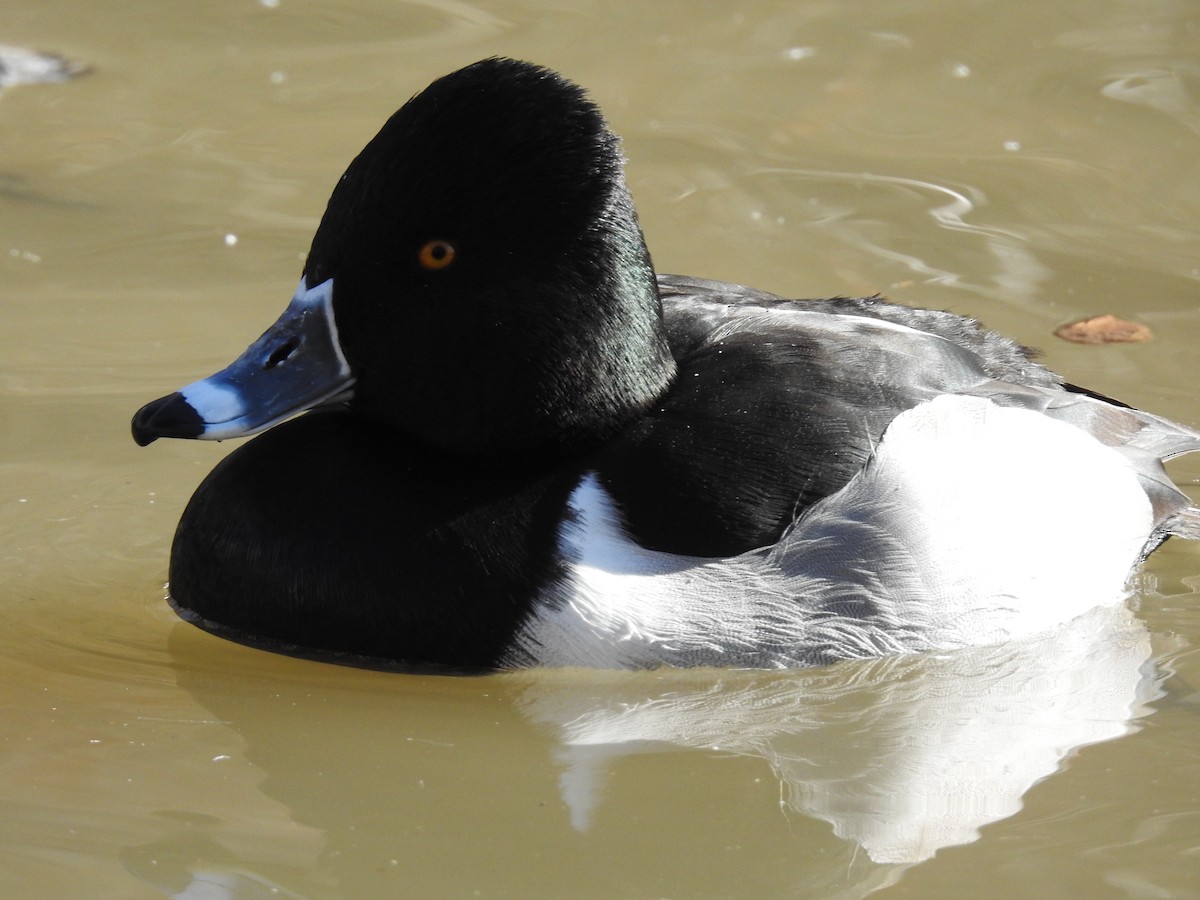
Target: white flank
972,524
1016,521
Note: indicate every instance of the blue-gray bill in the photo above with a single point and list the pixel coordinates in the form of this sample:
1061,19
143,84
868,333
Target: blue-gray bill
296,365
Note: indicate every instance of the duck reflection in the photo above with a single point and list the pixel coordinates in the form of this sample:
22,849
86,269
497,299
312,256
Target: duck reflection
902,755
449,785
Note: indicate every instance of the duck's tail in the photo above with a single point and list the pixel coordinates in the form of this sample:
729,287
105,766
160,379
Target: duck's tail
1184,524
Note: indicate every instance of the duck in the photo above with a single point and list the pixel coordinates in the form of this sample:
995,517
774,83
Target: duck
491,436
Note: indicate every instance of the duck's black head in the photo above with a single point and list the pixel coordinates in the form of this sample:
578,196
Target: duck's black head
479,281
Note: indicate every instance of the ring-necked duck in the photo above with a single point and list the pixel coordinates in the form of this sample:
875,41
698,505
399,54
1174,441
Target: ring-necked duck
527,449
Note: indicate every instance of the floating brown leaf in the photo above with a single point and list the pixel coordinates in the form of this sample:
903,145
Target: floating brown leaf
1103,330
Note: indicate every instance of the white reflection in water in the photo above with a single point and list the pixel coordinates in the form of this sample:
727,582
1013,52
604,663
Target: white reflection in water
1159,89
902,756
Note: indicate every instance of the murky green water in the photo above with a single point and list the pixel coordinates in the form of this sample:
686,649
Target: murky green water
1025,163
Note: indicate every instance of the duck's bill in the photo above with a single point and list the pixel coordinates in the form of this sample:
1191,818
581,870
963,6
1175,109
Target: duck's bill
296,365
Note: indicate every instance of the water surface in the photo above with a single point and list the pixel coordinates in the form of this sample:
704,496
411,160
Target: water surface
1025,163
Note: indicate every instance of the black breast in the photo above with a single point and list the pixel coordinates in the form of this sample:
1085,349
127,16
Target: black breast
329,535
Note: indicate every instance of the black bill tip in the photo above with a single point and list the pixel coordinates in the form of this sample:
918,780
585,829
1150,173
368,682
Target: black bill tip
170,416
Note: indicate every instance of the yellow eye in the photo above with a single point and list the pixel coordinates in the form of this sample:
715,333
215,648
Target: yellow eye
436,255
